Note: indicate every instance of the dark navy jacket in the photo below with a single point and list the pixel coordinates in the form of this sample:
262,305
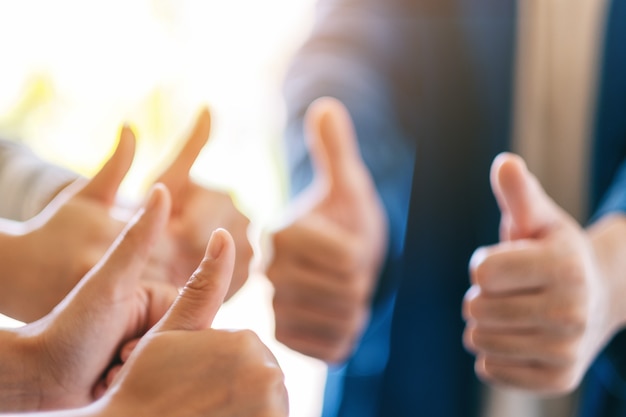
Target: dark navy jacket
429,86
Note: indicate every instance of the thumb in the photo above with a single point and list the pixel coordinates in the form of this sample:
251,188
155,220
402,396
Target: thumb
177,172
332,143
198,303
527,211
126,257
104,185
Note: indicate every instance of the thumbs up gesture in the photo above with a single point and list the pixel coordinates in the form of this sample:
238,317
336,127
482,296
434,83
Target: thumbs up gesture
182,367
59,245
62,356
328,253
541,305
196,212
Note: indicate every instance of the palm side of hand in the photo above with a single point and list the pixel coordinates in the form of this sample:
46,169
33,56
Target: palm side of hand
75,354
67,246
69,236
72,347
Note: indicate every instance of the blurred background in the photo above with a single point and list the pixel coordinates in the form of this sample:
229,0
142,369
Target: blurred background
73,71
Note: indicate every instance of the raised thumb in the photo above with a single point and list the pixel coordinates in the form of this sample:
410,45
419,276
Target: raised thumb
178,171
526,208
104,185
128,254
198,303
332,143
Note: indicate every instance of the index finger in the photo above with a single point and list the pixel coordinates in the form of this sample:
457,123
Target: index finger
508,267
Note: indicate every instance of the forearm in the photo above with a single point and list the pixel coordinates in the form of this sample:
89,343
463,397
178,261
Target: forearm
608,238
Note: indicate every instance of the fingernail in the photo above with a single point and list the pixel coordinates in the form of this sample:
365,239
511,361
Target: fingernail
216,244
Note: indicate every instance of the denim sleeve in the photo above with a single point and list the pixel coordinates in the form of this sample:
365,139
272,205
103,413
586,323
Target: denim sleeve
614,200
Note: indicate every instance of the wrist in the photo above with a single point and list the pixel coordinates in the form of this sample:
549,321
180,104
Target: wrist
19,377
608,238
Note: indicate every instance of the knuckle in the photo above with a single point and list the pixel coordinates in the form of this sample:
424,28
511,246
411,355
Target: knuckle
359,291
247,340
566,354
468,340
202,279
338,351
269,377
472,308
500,374
478,266
563,381
337,356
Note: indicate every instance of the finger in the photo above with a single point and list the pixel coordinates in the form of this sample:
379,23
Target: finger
524,312
104,185
312,343
300,285
318,242
204,292
100,389
112,374
526,346
127,256
511,267
521,197
288,308
177,173
537,378
128,349
332,143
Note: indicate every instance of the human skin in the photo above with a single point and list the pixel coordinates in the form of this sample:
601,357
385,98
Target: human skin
547,298
329,250
196,212
51,252
180,367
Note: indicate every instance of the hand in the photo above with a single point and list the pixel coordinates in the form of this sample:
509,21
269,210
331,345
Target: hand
64,355
65,240
539,308
328,255
183,368
196,212
71,234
